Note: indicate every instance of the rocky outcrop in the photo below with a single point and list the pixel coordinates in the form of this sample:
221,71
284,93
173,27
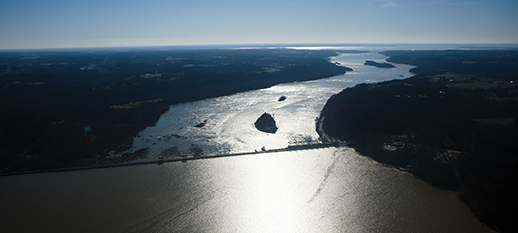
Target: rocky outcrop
266,123
202,124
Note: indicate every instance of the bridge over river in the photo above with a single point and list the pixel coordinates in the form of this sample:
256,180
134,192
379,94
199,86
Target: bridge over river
309,146
160,160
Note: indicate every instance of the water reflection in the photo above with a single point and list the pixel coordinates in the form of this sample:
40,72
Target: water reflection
325,190
229,120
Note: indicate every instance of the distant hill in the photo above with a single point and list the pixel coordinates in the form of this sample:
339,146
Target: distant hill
493,64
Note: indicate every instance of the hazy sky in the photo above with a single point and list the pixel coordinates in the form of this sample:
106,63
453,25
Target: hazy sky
94,23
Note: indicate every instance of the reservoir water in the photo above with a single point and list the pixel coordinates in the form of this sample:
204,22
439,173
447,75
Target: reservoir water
322,190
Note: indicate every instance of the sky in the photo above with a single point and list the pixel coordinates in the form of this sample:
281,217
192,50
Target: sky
111,23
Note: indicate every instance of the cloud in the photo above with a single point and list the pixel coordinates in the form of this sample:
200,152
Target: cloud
462,3
125,43
389,4
451,2
382,3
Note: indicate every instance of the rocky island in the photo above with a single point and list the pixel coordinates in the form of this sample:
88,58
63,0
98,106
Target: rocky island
266,123
450,126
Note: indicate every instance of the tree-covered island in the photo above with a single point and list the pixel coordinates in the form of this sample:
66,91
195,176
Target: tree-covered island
378,64
452,125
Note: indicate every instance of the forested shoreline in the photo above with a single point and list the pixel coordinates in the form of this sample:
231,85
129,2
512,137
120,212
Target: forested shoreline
70,108
452,125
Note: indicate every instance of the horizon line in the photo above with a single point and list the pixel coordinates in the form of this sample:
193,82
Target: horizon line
250,44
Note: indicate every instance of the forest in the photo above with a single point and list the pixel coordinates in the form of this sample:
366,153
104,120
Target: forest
452,125
68,108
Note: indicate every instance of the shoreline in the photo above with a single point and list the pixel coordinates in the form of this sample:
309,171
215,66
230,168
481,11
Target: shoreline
442,124
102,135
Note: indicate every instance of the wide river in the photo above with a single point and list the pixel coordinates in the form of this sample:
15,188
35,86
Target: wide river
321,190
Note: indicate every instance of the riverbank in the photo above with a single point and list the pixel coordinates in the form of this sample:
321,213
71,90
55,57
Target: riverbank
440,127
88,104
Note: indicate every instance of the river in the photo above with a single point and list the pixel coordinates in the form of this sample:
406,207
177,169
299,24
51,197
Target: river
321,190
